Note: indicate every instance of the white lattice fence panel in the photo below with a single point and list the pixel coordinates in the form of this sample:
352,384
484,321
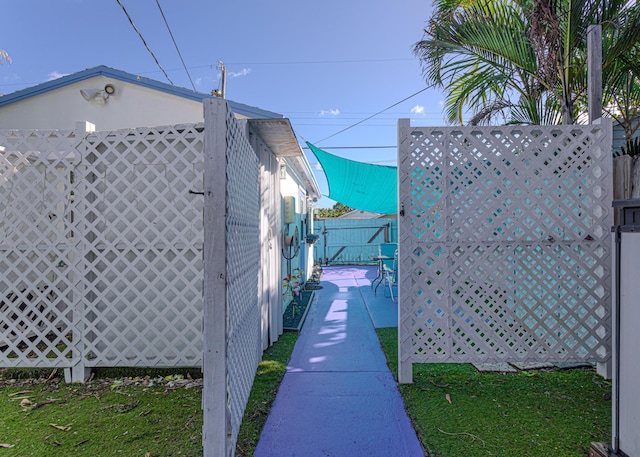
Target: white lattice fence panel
244,344
39,284
143,239
504,243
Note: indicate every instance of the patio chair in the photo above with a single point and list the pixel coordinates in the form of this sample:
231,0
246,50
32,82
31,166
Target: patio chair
389,250
384,250
391,276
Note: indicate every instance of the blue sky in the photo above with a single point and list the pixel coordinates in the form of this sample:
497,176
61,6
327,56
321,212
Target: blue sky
324,65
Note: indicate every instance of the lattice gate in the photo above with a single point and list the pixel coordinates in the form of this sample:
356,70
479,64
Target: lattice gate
102,255
504,244
101,248
232,312
40,280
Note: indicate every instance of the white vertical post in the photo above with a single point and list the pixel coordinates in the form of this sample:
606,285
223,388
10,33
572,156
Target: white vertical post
78,372
405,348
276,258
594,91
264,291
216,433
594,71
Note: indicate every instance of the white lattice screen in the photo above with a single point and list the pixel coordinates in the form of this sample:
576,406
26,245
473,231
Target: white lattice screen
101,252
232,256
40,282
143,238
244,339
102,248
504,244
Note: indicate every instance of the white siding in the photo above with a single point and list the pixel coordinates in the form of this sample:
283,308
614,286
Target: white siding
131,106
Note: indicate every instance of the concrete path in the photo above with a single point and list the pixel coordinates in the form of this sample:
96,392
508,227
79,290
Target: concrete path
338,397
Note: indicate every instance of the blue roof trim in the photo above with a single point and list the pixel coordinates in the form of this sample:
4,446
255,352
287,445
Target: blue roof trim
23,94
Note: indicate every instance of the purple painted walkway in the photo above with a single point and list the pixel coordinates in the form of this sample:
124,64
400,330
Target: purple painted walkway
338,397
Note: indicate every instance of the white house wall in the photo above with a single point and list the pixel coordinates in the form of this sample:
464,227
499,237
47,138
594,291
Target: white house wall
131,106
293,185
270,289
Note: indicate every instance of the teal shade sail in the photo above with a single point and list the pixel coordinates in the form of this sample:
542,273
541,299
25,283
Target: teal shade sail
363,186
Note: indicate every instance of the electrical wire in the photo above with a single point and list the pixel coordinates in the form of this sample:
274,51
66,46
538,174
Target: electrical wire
297,62
192,67
293,62
340,117
313,62
176,45
314,164
342,124
372,116
143,41
355,147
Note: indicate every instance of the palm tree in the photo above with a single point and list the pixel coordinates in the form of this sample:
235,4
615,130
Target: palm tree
523,61
480,54
4,56
621,75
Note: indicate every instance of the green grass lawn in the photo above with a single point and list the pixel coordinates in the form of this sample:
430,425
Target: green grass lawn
263,393
100,418
124,412
458,411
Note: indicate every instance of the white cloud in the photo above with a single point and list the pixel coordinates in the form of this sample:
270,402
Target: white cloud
418,109
55,75
237,74
317,166
332,112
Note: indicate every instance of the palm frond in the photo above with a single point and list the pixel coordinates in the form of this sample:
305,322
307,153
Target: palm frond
526,59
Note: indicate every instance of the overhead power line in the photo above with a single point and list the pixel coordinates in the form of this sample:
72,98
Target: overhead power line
313,62
338,124
292,62
314,164
355,147
175,44
347,120
193,67
373,115
143,41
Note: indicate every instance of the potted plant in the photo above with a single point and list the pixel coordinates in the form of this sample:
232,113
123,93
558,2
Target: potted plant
312,238
292,284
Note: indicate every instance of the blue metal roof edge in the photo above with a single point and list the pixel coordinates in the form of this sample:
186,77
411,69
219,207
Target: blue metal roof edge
252,111
23,94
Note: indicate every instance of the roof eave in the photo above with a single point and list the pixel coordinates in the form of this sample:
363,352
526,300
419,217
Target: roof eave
23,94
279,136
